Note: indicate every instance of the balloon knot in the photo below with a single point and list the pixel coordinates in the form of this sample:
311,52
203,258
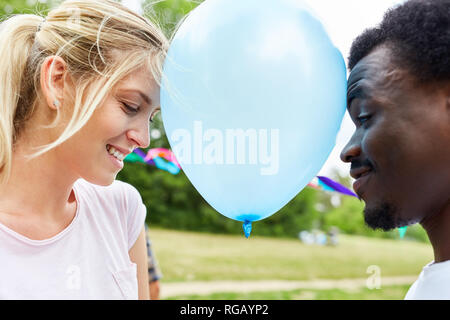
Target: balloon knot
247,226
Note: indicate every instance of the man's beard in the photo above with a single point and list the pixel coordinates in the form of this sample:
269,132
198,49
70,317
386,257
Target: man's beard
382,216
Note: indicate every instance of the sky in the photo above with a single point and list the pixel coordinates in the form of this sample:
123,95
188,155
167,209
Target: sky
344,20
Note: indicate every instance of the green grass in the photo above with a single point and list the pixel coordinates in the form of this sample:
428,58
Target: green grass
190,256
384,293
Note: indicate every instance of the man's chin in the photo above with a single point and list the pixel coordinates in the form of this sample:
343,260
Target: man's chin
381,216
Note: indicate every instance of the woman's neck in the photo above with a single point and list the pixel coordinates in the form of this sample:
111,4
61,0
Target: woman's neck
40,187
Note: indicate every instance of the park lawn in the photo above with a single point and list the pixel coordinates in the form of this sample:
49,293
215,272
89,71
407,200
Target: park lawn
193,256
397,292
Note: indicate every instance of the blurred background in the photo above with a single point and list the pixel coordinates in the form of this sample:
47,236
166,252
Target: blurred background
316,247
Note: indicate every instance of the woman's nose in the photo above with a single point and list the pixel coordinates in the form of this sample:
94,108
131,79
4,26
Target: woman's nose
140,135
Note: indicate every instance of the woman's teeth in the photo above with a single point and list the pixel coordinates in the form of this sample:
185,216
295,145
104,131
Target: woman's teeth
111,150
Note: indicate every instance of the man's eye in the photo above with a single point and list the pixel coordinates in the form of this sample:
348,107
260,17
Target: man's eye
363,119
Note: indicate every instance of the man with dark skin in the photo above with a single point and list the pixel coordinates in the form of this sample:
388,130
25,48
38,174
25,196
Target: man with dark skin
398,96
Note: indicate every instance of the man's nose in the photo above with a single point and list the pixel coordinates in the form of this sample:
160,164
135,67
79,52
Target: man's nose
352,149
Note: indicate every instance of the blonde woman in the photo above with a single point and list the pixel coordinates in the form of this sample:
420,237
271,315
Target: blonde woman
77,91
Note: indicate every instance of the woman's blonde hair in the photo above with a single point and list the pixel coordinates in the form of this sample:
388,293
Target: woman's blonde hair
86,35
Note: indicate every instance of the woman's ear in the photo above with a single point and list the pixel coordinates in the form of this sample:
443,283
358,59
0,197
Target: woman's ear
53,73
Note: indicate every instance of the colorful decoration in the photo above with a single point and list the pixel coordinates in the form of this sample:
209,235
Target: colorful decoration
161,158
162,153
327,184
402,231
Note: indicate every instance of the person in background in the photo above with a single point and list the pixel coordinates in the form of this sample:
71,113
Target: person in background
398,96
154,272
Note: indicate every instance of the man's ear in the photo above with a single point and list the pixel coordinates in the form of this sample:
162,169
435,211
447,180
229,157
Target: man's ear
53,72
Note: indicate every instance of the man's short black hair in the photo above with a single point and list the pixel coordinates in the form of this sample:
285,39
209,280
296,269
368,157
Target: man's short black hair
418,34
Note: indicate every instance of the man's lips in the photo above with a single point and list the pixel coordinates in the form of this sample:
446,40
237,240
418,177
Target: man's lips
359,172
361,180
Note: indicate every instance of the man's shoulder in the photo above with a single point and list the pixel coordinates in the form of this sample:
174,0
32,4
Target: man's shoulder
433,283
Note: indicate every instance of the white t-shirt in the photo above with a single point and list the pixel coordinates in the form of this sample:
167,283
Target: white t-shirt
433,283
87,260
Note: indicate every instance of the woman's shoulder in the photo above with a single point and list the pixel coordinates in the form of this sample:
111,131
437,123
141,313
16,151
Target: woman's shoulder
119,197
120,202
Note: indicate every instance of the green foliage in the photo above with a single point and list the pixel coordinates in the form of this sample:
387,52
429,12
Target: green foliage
299,214
10,7
349,218
168,13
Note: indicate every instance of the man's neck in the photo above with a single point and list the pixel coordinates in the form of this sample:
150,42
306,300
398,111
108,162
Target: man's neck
438,230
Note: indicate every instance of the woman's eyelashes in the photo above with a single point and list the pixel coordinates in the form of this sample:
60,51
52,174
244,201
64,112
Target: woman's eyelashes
130,109
154,115
135,110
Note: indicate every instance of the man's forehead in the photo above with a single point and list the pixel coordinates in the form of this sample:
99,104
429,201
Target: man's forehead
375,75
370,68
357,84
360,82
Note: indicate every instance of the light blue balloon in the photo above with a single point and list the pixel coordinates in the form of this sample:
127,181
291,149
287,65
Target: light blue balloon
252,99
